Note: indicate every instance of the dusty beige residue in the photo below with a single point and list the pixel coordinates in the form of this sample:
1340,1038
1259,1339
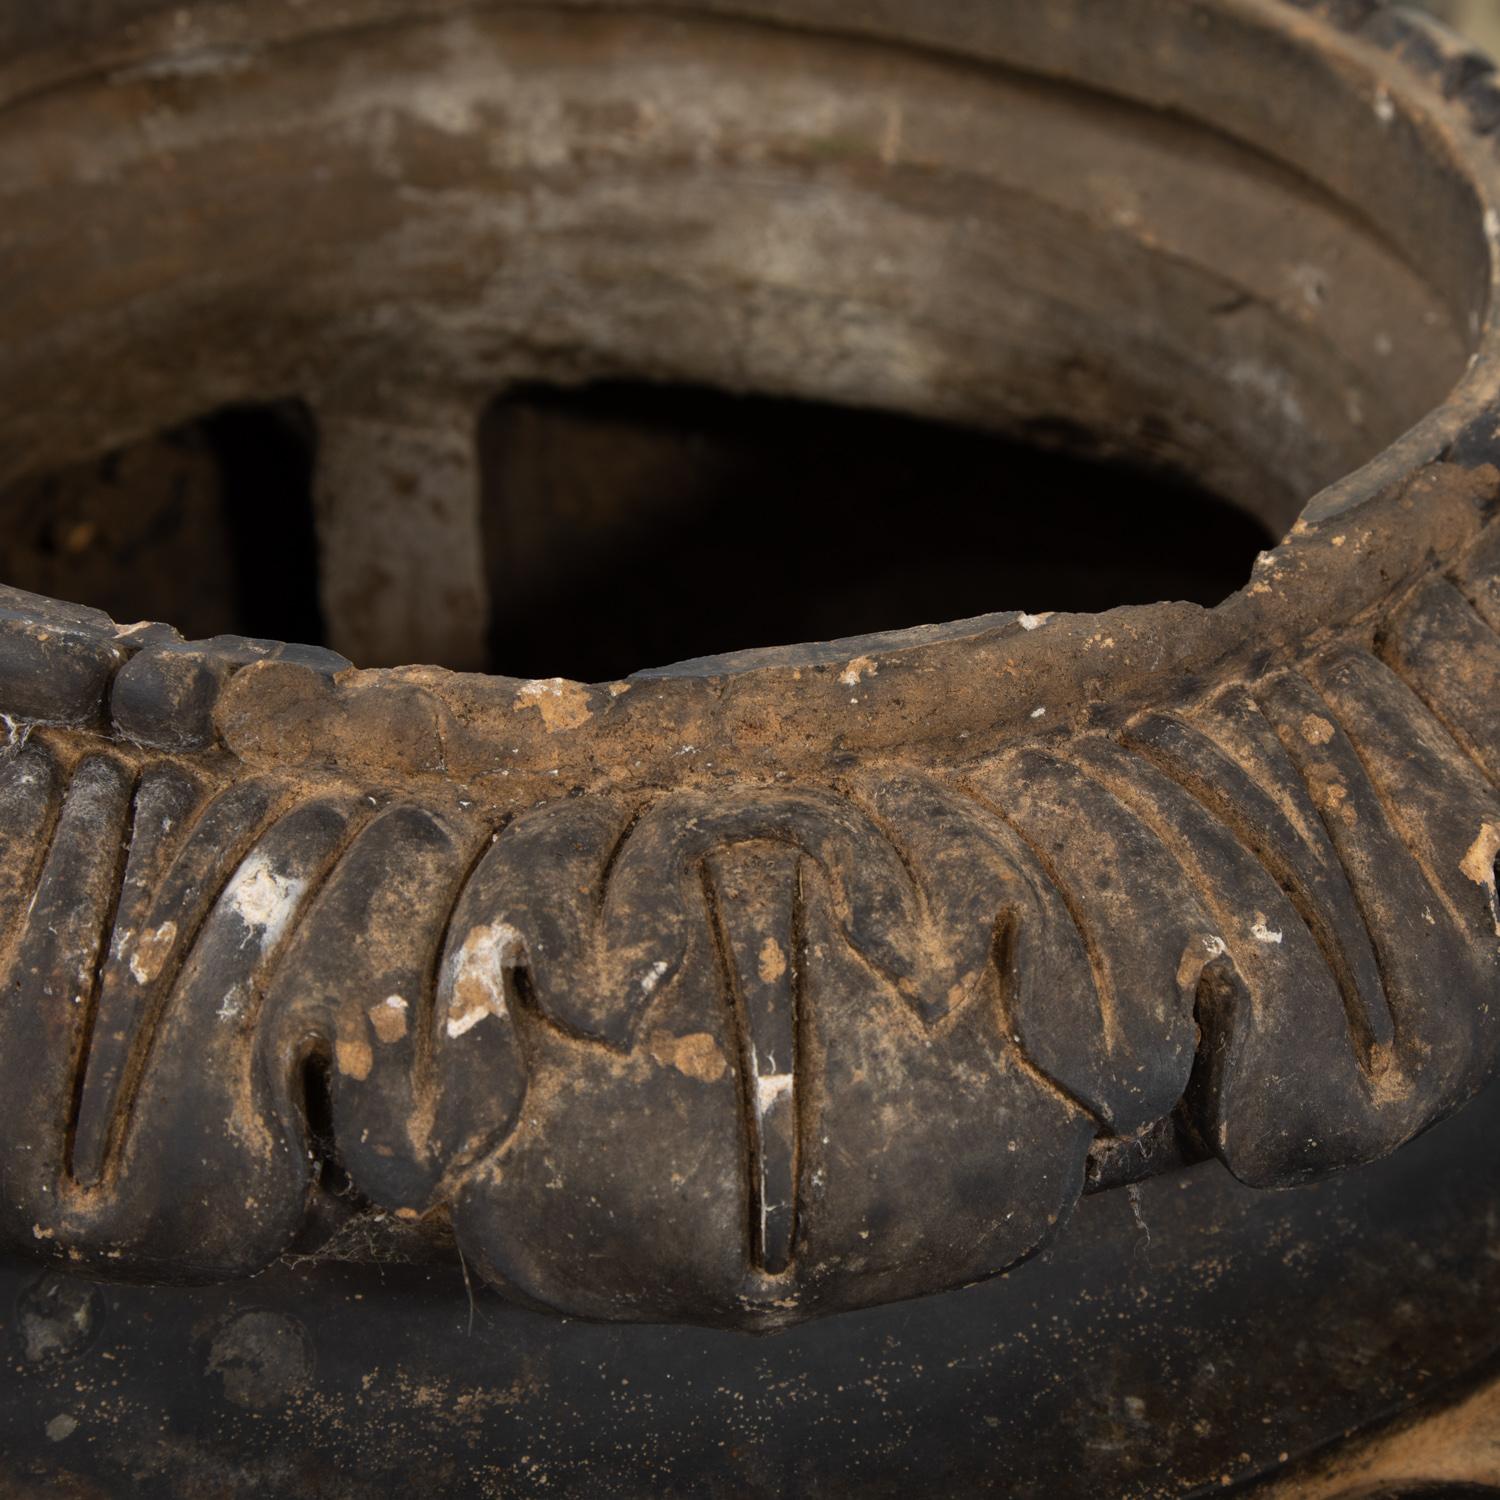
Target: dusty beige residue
1202,949
1389,1084
1479,864
861,666
354,1058
696,1055
772,962
388,1018
561,703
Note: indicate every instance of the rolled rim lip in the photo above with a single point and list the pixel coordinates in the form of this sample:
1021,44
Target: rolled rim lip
1470,411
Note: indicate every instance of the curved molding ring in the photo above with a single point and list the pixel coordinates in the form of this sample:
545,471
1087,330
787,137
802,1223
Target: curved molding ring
769,986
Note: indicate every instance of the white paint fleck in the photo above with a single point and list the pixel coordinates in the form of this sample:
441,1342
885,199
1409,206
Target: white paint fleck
443,108
769,1087
1384,105
201,62
1033,622
1271,386
478,975
151,951
62,1426
1214,945
1038,713
1262,933
395,1002
263,899
653,976
1312,283
16,735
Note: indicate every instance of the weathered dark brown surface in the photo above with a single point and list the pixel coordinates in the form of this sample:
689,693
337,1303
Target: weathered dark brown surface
1190,1332
800,980
871,1024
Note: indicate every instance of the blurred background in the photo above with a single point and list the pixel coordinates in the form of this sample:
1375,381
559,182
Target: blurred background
628,491
1479,19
